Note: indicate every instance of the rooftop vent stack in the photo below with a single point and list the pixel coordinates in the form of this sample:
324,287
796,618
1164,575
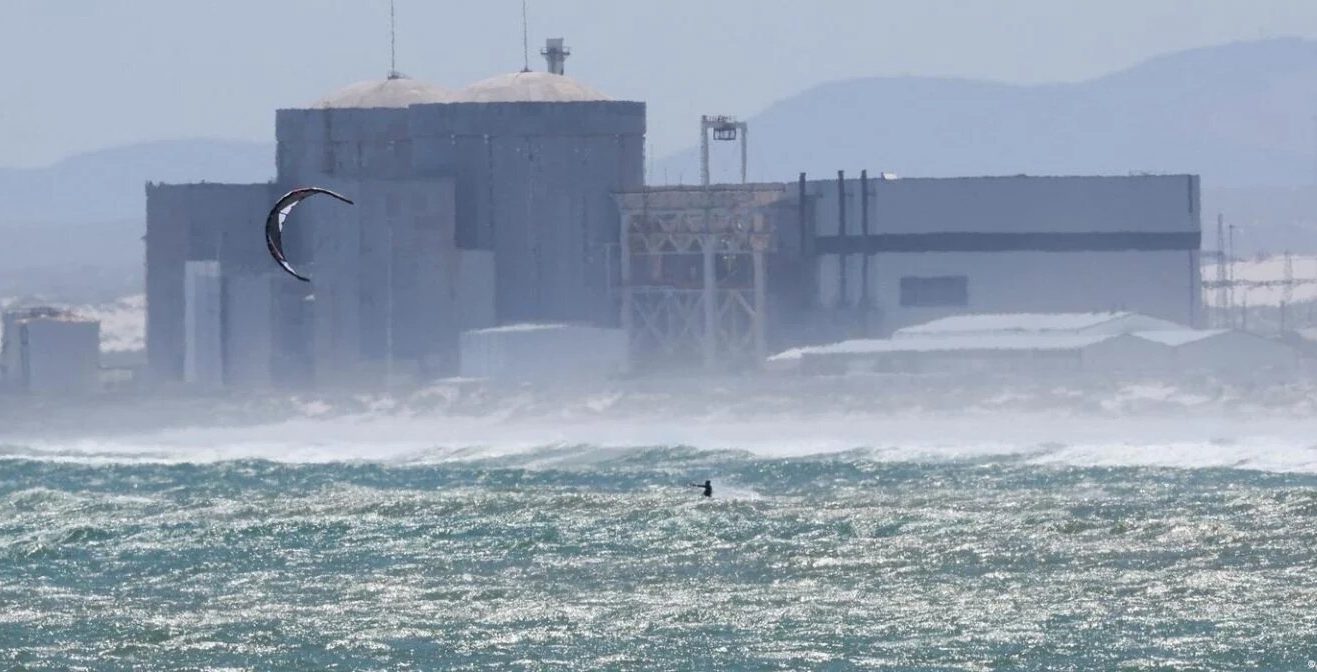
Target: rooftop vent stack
555,54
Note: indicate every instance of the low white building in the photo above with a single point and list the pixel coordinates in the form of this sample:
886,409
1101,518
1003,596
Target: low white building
1118,342
50,351
523,352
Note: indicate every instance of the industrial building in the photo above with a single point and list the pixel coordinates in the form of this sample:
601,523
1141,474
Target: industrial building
1121,344
49,351
717,275
484,206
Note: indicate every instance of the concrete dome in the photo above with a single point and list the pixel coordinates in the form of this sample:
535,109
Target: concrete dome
396,91
528,87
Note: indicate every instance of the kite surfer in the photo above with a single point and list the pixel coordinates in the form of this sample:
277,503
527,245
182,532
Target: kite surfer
708,488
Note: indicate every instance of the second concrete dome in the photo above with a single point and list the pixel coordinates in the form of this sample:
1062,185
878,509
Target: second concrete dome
528,87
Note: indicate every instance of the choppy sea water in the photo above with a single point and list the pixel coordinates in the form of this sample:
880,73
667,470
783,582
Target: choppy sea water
582,559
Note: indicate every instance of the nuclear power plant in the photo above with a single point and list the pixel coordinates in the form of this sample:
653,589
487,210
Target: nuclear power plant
485,206
521,200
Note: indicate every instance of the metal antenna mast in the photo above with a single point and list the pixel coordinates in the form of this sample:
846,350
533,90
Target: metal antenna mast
1230,251
525,39
1287,291
393,42
1222,280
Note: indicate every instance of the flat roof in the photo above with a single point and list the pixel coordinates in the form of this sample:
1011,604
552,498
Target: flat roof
1013,322
1002,342
1174,337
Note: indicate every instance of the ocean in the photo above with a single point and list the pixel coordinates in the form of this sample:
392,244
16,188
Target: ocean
224,550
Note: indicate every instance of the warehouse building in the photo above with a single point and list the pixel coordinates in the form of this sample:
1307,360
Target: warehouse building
1123,344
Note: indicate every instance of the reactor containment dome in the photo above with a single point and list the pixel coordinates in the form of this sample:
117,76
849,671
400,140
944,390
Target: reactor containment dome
528,87
395,92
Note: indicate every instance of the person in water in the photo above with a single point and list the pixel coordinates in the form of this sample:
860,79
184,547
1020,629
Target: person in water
708,488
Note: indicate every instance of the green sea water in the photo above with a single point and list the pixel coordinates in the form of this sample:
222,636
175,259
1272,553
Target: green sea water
544,562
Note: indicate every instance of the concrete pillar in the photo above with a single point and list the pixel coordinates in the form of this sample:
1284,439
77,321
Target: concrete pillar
842,297
203,349
710,300
704,151
624,236
864,260
761,294
745,158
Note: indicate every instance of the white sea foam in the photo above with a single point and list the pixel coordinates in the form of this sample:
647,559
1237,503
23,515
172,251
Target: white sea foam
1270,444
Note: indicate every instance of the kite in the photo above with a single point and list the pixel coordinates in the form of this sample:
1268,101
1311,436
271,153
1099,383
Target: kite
274,223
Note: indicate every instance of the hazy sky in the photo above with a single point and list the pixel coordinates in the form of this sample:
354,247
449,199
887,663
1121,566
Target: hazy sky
85,74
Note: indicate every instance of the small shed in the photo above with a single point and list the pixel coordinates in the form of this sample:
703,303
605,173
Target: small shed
51,351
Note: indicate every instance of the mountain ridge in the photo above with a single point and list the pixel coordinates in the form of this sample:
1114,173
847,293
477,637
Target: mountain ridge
1238,114
110,183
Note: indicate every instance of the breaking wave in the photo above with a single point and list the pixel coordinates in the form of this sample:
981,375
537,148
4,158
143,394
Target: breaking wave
1283,445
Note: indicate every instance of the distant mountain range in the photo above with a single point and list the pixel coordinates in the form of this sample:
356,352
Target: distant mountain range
110,184
1242,114
73,230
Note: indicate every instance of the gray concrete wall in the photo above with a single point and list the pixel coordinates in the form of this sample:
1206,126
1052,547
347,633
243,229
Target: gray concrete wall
386,279
191,222
475,290
203,326
343,142
250,310
534,183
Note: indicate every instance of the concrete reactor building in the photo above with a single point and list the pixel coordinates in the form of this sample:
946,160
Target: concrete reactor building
485,206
